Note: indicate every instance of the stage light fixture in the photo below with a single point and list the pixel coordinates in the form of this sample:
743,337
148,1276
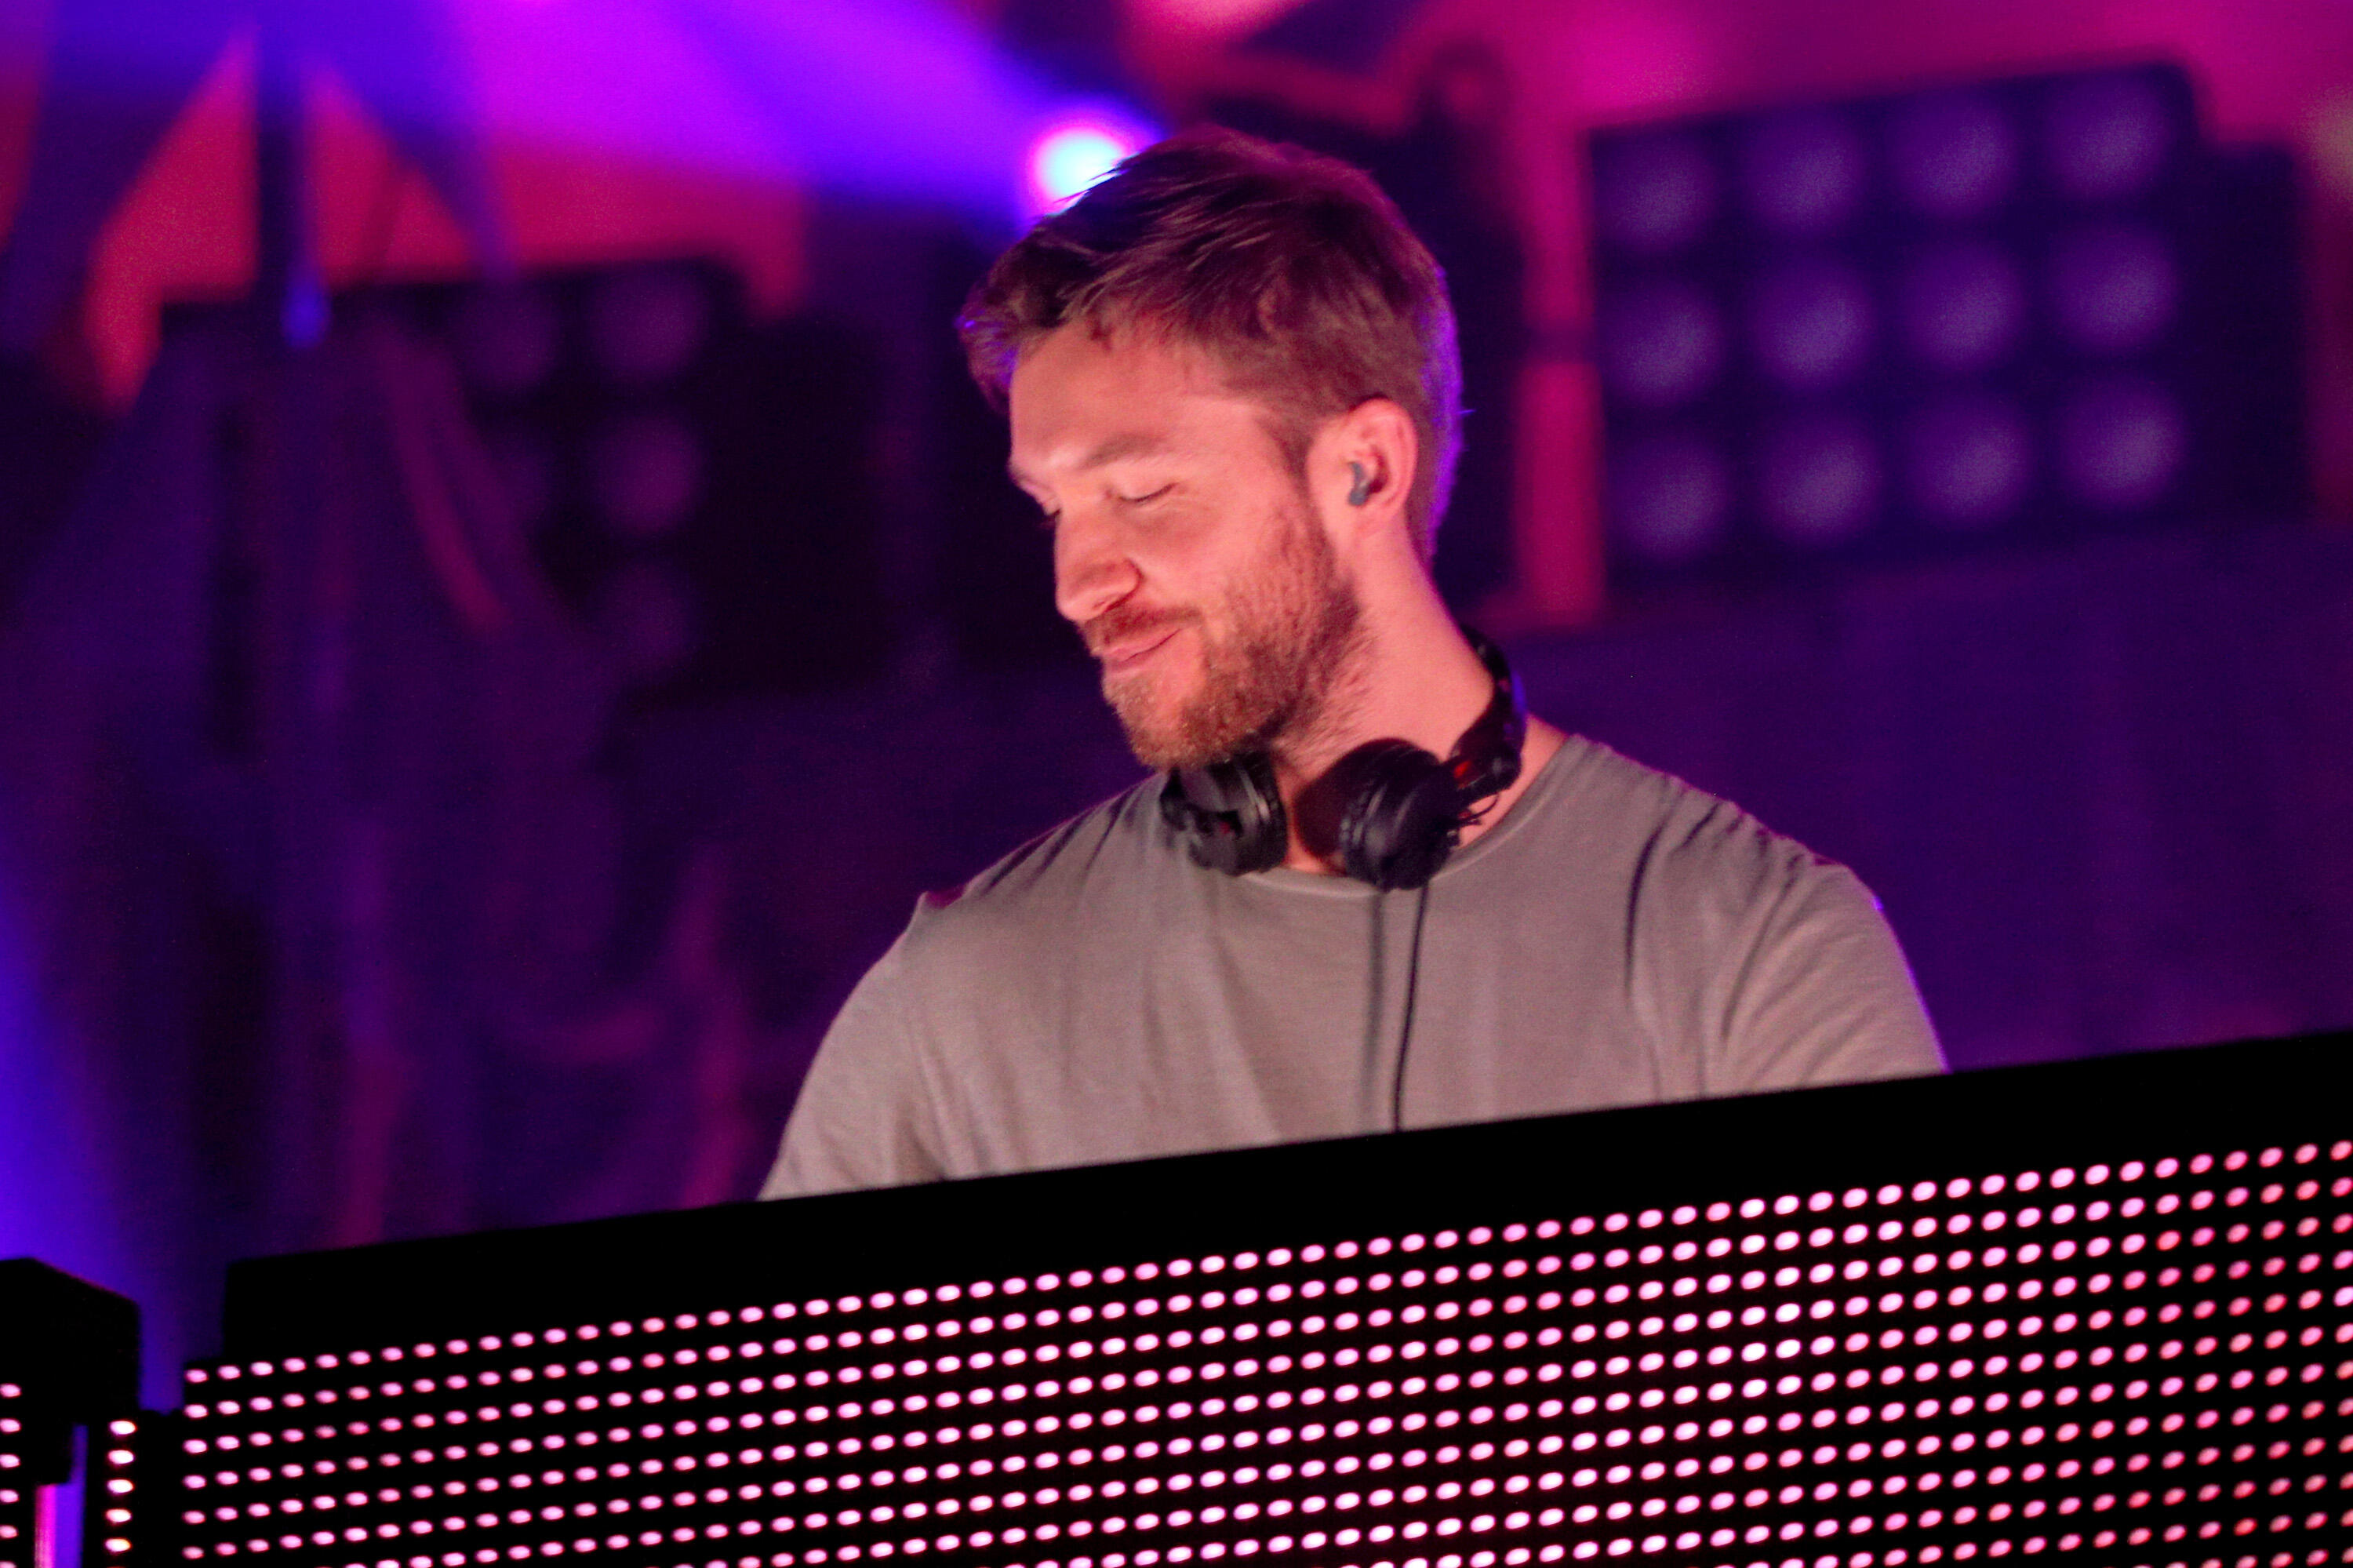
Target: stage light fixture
1671,495
1654,194
2114,287
648,325
636,417
2028,308
1662,344
1813,324
2109,137
645,474
508,338
1953,155
1821,478
1074,153
1804,173
1962,306
2121,441
1969,459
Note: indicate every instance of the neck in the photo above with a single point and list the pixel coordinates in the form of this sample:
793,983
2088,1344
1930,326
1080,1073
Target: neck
1415,678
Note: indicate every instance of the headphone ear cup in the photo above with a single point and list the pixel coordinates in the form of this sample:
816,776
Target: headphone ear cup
1230,814
1402,815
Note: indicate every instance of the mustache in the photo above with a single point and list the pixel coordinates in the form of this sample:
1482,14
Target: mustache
1127,623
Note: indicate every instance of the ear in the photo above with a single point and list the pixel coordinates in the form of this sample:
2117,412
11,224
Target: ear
1361,465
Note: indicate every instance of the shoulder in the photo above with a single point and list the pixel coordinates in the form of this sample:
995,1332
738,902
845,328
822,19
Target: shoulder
1676,840
1116,849
1768,963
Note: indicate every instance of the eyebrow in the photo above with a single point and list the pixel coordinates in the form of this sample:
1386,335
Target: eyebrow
1111,450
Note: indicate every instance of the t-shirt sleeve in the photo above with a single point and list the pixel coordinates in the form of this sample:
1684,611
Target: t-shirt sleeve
1780,966
866,1115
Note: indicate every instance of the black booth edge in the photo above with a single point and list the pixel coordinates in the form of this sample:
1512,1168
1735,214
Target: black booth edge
2149,1104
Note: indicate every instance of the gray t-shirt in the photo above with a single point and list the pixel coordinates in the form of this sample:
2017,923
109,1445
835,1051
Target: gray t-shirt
1619,937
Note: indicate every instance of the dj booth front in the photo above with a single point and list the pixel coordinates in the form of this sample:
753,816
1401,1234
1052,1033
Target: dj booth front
2101,1311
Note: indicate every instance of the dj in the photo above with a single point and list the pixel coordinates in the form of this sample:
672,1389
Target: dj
1367,890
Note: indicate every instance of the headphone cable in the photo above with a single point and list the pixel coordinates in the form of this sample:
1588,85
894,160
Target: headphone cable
1405,1029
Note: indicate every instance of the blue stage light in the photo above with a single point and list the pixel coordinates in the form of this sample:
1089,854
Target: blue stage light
1075,152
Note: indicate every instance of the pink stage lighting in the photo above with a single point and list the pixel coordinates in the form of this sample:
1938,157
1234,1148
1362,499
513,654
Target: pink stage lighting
1074,151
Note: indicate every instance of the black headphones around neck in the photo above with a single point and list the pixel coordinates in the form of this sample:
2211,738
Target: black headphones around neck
1403,809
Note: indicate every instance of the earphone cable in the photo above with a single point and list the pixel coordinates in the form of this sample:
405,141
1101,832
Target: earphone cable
1405,1027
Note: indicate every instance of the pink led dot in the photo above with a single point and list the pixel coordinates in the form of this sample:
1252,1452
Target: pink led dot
1547,1230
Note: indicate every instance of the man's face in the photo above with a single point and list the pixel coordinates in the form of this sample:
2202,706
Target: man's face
1186,550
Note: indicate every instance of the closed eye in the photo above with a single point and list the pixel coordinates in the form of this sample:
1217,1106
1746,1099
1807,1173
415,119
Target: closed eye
1153,495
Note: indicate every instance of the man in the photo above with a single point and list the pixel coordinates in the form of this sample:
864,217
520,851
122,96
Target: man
1230,376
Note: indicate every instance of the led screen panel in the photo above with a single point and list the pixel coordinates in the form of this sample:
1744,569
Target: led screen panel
18,1497
2098,1312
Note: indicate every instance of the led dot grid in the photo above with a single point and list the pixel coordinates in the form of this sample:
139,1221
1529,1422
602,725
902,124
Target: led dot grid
2151,1362
117,1508
18,1502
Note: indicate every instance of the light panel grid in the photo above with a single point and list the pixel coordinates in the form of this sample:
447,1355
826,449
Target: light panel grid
2145,1362
117,1514
19,1497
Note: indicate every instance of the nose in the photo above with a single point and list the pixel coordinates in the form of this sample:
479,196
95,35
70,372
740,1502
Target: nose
1092,570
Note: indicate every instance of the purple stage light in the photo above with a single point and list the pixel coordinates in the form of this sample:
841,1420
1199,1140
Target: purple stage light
508,338
1661,343
1967,460
647,473
1655,193
2107,138
646,326
1668,498
647,613
2112,287
1074,153
526,470
1812,323
1954,155
2122,442
1961,306
1821,480
1803,173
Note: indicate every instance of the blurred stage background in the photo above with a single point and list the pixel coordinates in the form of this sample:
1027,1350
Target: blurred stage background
505,595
